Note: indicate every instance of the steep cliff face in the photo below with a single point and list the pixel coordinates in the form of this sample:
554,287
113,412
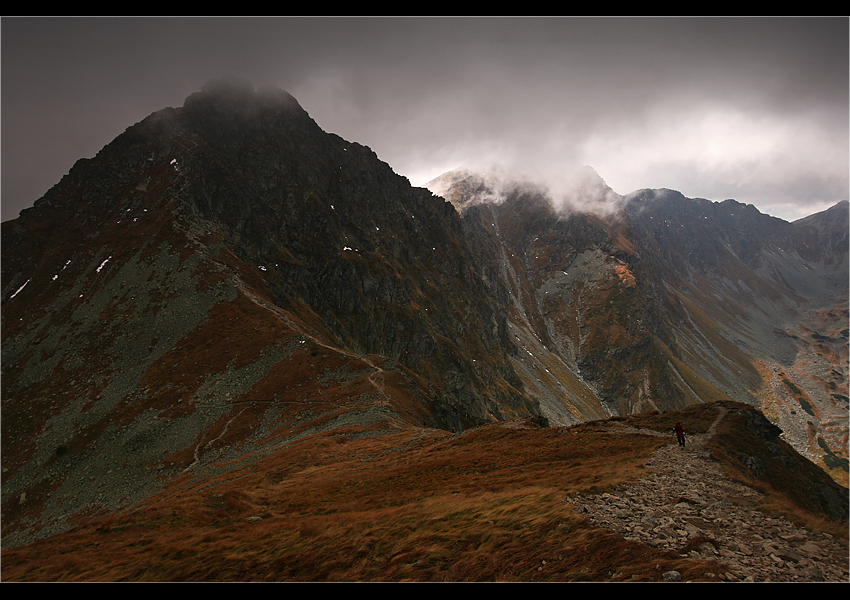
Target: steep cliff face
758,307
384,266
587,312
667,301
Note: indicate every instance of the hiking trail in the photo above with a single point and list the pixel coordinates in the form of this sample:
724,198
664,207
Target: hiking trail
688,496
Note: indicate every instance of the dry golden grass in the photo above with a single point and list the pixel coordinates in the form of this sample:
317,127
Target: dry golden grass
416,505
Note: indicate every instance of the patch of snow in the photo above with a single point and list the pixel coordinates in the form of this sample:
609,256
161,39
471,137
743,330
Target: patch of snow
19,289
103,263
65,266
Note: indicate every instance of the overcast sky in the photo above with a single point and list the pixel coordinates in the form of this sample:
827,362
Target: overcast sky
750,109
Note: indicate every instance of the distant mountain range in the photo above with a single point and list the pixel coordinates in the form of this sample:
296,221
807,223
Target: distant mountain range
664,301
226,275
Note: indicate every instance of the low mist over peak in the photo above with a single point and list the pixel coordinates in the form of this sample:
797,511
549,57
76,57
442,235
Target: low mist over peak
238,97
569,188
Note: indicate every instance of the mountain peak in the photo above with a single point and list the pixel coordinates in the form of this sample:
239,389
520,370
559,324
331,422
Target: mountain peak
234,94
835,213
230,100
568,189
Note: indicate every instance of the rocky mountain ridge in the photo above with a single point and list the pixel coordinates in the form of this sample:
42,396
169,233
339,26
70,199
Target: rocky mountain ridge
226,279
207,272
667,301
689,499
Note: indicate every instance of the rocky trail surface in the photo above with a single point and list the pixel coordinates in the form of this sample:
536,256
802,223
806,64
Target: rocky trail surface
688,504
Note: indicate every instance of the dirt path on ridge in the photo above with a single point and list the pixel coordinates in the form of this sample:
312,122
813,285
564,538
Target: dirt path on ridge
688,496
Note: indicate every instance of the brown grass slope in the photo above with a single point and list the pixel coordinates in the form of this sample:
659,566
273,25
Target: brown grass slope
414,505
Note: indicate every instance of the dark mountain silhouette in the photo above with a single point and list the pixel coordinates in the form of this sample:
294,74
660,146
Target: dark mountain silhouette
226,282
208,272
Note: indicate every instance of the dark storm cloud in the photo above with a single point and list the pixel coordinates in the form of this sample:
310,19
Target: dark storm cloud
752,109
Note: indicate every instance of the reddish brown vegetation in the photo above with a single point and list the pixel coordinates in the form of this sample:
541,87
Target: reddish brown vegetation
415,504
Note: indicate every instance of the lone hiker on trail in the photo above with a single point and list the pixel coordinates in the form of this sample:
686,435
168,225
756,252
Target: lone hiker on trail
680,433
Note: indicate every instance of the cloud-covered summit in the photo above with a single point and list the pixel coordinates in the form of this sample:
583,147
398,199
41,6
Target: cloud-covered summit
754,109
571,188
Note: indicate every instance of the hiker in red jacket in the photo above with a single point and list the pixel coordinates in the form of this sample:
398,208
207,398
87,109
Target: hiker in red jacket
680,433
